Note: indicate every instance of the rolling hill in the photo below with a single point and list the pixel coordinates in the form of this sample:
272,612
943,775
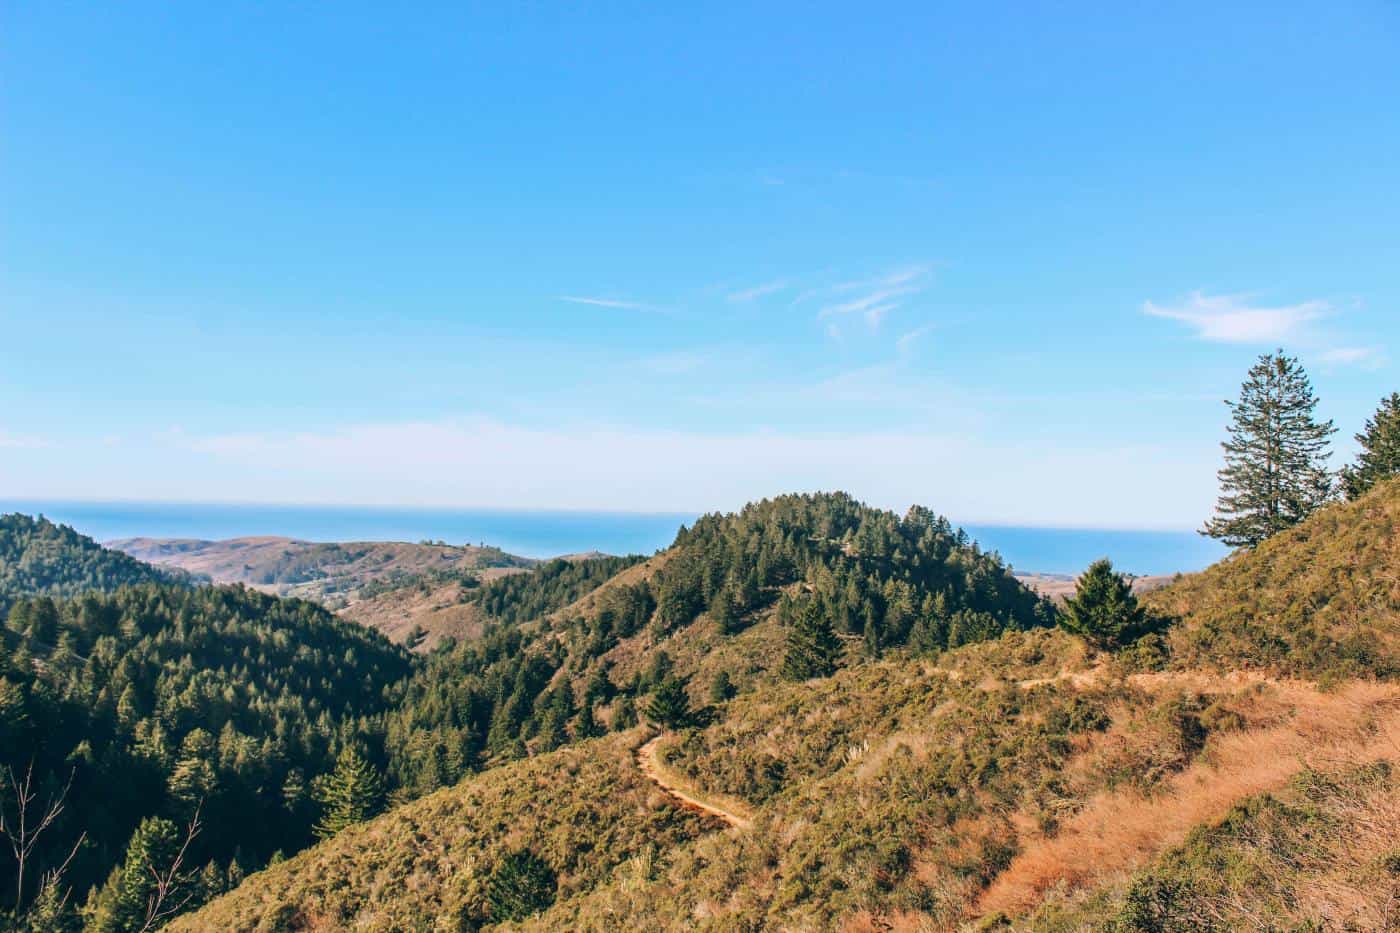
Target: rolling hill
332,573
1203,779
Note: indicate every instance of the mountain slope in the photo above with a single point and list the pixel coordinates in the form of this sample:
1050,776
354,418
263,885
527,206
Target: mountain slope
163,701
38,557
1019,781
585,811
1319,600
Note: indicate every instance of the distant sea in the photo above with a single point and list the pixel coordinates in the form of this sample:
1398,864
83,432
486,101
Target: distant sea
551,533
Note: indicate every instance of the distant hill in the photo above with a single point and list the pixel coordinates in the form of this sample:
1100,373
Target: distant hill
331,573
38,557
1057,586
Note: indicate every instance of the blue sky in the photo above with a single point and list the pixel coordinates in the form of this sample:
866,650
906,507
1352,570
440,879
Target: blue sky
1003,261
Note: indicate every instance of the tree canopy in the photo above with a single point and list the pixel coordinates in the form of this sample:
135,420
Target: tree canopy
1379,458
1275,472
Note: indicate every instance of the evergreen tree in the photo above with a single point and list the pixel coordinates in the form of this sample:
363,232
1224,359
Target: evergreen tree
350,794
721,688
128,899
1275,471
812,648
669,706
1380,450
1103,610
521,884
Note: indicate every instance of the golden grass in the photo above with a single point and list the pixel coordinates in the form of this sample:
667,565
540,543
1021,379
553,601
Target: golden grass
1117,832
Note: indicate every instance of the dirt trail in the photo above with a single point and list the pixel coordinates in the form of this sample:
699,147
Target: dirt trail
659,775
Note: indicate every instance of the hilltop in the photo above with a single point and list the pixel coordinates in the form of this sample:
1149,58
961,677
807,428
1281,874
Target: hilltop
1006,775
1320,600
333,572
40,558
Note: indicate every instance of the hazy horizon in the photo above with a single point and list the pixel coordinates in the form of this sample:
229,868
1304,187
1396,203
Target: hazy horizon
607,259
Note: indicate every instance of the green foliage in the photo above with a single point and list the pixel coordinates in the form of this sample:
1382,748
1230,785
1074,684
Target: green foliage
1318,601
1103,610
38,557
1275,472
521,884
812,648
1379,458
132,898
721,688
162,699
521,597
352,793
669,706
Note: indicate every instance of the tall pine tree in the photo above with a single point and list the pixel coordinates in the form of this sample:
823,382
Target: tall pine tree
1380,450
812,648
350,794
1275,471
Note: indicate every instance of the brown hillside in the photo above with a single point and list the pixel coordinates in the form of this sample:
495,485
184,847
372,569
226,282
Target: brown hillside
1319,600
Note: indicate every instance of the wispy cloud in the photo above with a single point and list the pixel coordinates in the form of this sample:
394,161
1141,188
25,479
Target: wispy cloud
757,292
1234,319
610,303
905,344
1369,357
1230,319
874,298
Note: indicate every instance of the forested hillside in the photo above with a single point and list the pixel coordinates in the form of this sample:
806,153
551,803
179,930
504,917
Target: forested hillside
160,703
954,772
711,603
39,557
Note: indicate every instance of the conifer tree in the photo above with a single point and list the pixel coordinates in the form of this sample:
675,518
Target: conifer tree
350,794
1275,471
1103,610
1380,450
812,648
521,884
669,706
721,688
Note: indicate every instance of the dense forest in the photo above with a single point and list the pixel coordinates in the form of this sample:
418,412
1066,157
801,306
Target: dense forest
170,704
41,558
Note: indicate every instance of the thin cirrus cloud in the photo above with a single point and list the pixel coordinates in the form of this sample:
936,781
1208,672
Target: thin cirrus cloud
756,292
1229,319
1369,357
874,298
610,303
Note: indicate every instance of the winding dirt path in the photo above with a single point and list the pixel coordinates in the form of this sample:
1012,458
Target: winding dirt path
660,775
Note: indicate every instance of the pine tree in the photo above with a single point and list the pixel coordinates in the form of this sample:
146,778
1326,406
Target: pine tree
812,648
521,884
721,688
669,706
1103,609
350,794
1380,450
125,902
1275,471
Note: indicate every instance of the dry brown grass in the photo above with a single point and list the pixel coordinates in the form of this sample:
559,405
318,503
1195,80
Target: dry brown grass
1117,832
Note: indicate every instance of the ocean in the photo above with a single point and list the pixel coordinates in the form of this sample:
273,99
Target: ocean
551,533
